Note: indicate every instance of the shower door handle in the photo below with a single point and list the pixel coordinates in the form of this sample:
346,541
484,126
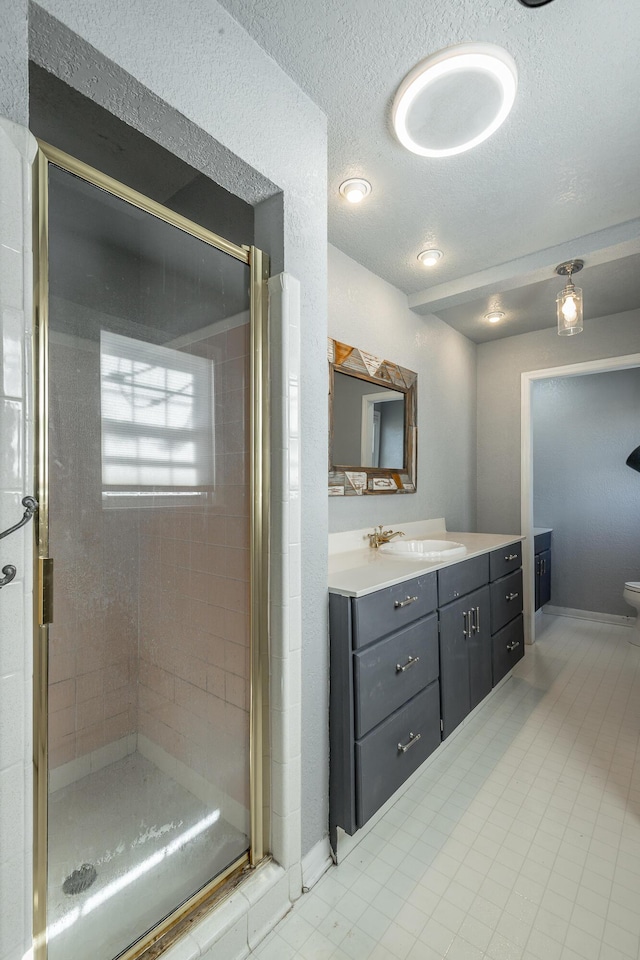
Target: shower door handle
31,505
9,574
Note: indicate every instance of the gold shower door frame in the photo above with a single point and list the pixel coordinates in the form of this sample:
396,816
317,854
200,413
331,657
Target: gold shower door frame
258,262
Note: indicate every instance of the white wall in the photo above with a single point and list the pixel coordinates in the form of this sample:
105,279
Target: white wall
584,428
367,312
500,365
16,464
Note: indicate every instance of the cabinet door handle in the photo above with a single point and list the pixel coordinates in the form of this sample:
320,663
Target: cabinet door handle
405,602
477,619
410,663
512,596
465,623
544,565
511,556
413,739
512,646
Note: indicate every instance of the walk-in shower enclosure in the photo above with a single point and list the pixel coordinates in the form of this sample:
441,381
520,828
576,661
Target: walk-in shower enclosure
152,534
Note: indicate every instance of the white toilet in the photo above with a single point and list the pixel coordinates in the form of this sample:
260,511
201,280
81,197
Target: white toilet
632,596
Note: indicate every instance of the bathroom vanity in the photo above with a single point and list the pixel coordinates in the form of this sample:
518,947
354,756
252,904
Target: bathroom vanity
415,646
542,555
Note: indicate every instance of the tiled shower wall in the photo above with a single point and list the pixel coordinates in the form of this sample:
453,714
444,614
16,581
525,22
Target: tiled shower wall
94,634
17,149
150,639
193,699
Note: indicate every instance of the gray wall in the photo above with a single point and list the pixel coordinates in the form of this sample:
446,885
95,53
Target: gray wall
500,365
255,138
367,312
584,428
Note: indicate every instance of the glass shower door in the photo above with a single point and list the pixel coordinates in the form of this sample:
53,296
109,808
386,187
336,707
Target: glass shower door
148,510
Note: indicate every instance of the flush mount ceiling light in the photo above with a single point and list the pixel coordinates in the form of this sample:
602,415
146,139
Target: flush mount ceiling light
428,258
455,99
355,189
534,3
494,317
569,300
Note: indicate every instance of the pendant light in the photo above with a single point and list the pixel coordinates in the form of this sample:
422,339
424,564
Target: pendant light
569,300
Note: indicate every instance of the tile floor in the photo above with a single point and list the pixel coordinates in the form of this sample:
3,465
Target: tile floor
152,842
521,841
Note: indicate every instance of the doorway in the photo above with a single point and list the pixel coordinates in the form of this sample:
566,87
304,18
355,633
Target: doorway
528,380
152,446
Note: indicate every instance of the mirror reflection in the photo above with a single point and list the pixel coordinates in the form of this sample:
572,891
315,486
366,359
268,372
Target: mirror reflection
368,424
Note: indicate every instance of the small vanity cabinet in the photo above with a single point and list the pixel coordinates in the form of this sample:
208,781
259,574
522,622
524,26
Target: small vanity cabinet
385,695
542,551
408,663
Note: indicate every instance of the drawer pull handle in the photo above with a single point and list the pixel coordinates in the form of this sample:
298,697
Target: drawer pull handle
512,596
413,739
511,556
410,663
404,603
512,646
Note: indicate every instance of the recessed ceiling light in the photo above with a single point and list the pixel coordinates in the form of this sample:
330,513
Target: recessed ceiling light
494,317
455,99
428,258
355,189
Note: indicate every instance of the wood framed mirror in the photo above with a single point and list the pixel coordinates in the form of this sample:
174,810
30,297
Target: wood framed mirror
373,431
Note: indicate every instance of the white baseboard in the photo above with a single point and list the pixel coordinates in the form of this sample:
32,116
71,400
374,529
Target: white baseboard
588,615
81,767
315,863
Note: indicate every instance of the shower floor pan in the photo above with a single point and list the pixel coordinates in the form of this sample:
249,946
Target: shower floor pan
153,845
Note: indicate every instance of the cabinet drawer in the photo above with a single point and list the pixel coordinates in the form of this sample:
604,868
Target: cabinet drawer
507,648
461,578
505,560
542,541
388,610
381,763
506,600
393,670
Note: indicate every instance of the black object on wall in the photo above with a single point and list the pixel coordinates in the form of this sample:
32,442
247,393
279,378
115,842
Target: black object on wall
633,460
533,3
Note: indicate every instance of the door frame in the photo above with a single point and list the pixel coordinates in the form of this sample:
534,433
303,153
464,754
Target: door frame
528,378
259,523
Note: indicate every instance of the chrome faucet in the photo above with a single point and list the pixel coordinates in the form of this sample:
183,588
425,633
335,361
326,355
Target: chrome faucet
382,536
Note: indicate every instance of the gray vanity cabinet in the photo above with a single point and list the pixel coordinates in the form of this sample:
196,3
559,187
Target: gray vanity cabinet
465,656
507,623
542,551
384,716
408,663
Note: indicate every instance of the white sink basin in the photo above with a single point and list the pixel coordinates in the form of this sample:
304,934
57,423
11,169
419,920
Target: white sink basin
423,549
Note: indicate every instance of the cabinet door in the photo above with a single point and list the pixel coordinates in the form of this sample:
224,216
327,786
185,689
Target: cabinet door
545,578
479,647
454,664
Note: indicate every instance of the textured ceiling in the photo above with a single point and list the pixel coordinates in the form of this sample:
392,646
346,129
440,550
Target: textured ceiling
563,166
607,288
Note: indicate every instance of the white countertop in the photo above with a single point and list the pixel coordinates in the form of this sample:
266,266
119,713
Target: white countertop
538,530
355,573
